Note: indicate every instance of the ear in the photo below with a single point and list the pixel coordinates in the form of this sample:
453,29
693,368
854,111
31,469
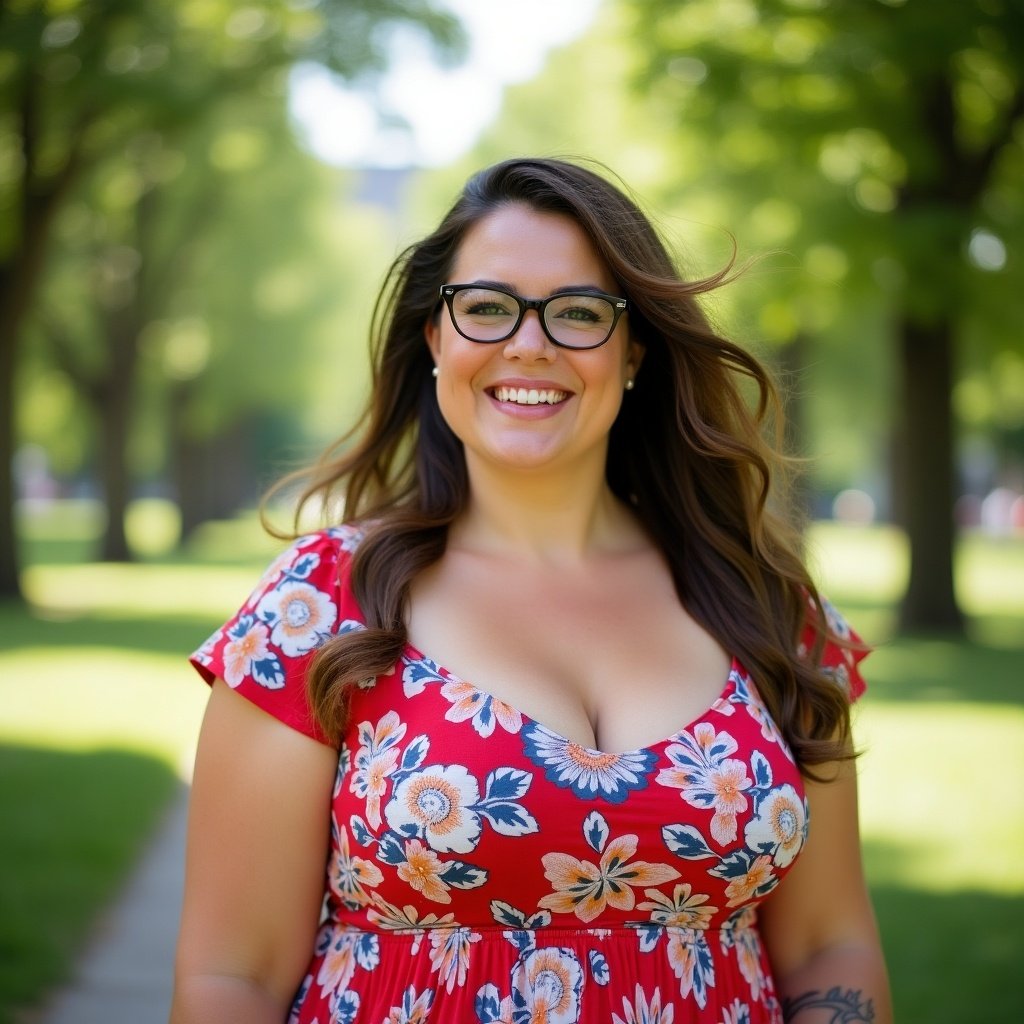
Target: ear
634,357
432,334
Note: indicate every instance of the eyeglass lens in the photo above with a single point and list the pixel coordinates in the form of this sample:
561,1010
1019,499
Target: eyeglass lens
577,321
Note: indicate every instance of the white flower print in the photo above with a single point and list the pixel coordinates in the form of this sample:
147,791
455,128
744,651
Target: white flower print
547,985
435,803
779,827
300,617
376,761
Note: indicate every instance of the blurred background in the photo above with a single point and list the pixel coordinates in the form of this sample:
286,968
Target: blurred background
198,202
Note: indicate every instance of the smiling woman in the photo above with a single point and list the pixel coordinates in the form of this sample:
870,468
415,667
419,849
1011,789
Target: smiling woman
587,797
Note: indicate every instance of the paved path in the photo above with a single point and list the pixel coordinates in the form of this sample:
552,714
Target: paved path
125,976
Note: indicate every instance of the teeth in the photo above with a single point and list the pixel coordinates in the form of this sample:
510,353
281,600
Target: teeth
529,396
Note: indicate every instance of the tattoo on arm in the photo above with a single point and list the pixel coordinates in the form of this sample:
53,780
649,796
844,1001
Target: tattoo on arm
847,1006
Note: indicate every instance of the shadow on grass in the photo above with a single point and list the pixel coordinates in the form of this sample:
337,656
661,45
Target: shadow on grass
80,822
169,633
954,956
922,669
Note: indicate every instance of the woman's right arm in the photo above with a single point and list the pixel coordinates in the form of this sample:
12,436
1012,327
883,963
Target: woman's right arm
259,826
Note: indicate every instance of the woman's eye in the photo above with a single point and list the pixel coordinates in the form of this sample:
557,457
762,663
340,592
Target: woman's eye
487,309
579,313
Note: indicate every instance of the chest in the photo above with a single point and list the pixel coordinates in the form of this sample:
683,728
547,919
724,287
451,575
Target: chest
608,658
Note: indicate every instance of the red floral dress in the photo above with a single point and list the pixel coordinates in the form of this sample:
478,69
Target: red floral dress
485,869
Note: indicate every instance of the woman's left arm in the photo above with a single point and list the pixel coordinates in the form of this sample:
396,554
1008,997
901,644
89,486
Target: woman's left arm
819,926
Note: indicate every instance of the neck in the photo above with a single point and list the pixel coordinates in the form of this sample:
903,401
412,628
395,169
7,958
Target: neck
547,518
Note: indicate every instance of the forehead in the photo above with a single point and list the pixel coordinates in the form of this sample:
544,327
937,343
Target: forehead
532,251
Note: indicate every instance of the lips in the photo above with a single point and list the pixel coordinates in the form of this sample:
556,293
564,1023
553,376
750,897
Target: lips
529,396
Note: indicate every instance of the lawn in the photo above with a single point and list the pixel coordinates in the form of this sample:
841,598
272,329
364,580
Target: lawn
100,714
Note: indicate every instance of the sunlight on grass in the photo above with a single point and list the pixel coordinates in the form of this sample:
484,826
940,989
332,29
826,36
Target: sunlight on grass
936,793
91,698
111,590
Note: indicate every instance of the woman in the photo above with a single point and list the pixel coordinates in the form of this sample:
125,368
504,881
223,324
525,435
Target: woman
572,696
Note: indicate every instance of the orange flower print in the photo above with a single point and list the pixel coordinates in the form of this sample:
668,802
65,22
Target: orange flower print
483,709
375,762
344,950
387,916
247,646
683,910
690,958
644,1011
449,954
742,889
586,889
350,876
742,935
415,1008
422,870
708,777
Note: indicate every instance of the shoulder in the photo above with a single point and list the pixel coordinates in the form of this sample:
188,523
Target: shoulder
301,601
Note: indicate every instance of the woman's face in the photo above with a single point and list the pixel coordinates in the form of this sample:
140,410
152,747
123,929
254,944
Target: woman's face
479,386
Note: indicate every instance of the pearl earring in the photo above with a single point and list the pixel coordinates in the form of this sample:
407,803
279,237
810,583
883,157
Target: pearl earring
436,371
629,383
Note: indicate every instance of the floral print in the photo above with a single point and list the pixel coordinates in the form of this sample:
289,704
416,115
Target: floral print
588,773
483,867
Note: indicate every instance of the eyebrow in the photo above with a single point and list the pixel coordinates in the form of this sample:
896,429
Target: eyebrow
567,289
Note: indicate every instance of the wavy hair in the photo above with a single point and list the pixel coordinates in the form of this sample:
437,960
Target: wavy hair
688,452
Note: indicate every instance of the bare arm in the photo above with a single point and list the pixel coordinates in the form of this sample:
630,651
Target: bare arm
819,927
258,835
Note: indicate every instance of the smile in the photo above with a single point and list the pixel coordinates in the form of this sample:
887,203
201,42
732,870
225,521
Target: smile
530,396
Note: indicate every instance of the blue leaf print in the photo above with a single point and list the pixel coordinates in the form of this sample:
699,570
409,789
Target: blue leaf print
649,934
488,1004
596,831
367,951
363,835
508,819
685,841
598,967
300,569
506,784
345,1006
415,754
417,673
523,940
460,875
762,770
268,672
506,914
703,968
390,850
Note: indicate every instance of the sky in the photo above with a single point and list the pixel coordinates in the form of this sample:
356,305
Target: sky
446,108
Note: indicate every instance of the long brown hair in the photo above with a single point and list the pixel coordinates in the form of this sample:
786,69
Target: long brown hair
687,451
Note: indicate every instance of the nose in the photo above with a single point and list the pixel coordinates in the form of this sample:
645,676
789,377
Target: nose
529,340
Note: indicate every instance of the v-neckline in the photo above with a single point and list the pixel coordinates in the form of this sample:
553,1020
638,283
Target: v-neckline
415,654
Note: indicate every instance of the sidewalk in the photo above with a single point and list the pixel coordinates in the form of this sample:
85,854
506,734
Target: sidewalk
126,975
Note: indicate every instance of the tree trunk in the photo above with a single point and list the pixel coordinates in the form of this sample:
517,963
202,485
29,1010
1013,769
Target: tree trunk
115,417
10,586
928,486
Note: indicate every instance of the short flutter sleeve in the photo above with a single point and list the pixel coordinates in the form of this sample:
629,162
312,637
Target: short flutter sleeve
839,661
302,600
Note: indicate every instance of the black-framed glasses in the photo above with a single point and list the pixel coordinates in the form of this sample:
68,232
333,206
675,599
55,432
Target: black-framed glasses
577,320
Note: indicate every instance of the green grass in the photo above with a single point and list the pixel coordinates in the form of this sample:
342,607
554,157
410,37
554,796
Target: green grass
100,713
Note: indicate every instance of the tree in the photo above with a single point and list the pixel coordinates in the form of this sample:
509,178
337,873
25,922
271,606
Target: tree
895,129
80,80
